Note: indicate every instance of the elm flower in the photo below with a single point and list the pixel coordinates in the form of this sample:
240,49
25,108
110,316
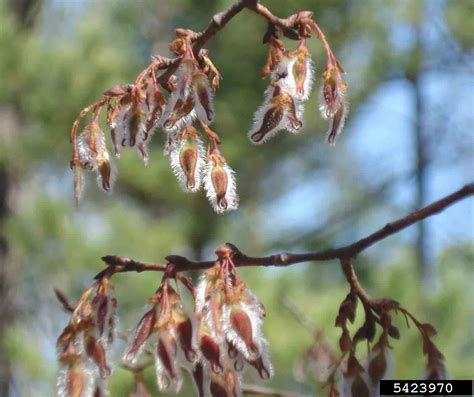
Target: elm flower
76,379
231,318
294,73
187,160
219,182
84,345
333,101
179,111
279,111
203,99
93,155
131,126
169,331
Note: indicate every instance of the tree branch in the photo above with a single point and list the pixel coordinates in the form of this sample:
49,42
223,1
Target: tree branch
180,263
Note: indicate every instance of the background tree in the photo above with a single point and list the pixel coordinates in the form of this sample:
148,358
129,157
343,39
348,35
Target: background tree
329,196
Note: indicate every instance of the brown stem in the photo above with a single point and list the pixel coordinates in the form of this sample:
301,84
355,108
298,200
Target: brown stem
218,22
356,288
287,259
267,14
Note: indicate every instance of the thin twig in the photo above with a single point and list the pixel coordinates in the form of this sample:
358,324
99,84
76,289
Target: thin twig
299,314
123,264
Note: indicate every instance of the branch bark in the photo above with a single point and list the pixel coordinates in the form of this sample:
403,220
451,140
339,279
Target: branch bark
180,263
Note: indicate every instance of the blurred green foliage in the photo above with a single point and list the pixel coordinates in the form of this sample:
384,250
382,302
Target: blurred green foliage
74,52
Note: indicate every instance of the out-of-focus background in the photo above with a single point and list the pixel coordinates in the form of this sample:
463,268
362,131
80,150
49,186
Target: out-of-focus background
408,141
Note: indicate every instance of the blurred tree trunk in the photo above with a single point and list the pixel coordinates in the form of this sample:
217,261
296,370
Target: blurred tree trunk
7,282
25,12
421,165
421,149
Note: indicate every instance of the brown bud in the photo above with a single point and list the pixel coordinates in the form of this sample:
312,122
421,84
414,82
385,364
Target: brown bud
353,366
345,341
428,330
377,366
359,388
348,307
394,332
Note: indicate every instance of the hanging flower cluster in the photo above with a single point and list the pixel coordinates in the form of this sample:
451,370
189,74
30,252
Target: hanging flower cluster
176,96
291,80
345,375
215,343
135,112
84,344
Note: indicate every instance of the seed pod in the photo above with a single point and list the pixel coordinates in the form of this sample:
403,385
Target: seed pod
187,161
199,378
104,171
179,113
242,325
185,335
97,353
359,387
166,355
211,352
219,182
203,97
337,123
333,91
142,333
272,117
377,366
75,381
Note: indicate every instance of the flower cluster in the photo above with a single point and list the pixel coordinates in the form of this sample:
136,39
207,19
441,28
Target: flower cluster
229,333
215,342
349,376
135,112
168,329
177,96
84,344
291,80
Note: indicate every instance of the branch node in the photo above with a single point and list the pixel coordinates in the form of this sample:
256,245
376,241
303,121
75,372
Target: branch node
217,19
178,261
284,258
